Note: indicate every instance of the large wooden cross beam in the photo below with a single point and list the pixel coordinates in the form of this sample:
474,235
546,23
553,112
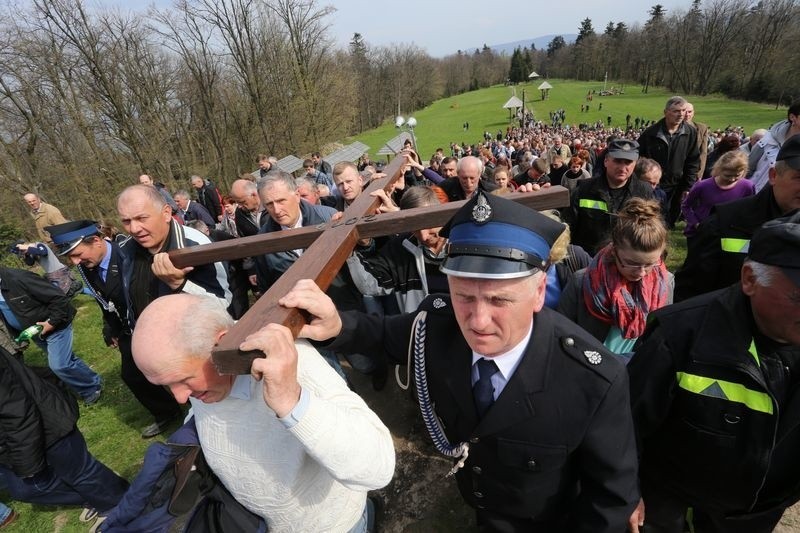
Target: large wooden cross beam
323,257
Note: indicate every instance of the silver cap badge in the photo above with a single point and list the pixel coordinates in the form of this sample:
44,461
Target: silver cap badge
482,211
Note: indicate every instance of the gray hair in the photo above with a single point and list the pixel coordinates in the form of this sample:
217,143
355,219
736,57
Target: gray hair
197,331
764,274
467,159
278,176
182,194
675,100
199,225
151,193
305,182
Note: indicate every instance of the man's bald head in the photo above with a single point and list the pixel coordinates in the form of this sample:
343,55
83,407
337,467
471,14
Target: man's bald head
172,342
245,193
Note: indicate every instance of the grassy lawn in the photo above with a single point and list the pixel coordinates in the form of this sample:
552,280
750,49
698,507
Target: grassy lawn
441,123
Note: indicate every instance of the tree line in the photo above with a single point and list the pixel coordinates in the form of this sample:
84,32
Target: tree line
90,99
741,48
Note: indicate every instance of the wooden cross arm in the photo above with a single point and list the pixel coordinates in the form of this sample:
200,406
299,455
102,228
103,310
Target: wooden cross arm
323,259
368,225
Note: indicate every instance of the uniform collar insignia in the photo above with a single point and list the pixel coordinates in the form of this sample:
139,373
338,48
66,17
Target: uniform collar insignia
593,357
438,303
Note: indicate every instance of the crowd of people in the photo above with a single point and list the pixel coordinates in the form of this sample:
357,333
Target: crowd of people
577,383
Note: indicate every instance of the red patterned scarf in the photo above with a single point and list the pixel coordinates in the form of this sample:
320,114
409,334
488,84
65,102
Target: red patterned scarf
614,300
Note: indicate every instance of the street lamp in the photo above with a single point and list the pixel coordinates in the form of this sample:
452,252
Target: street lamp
411,123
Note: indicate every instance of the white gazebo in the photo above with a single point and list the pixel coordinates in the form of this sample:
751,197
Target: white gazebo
545,88
512,105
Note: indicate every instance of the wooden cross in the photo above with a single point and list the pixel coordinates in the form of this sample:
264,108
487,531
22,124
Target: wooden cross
324,257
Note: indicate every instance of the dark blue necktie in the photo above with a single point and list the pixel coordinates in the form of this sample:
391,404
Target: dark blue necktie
483,391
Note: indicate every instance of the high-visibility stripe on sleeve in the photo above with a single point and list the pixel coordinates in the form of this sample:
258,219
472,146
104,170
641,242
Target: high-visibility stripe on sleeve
736,246
588,203
726,390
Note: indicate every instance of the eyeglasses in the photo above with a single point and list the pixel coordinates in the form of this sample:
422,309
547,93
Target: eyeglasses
636,266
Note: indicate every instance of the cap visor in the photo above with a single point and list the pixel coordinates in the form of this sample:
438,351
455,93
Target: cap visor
67,247
793,162
793,274
630,156
476,266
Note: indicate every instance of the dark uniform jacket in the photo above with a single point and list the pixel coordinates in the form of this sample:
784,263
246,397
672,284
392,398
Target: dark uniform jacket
34,414
592,207
111,291
705,416
33,299
679,165
556,450
715,254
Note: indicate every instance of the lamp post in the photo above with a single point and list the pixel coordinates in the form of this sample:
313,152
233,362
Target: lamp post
410,124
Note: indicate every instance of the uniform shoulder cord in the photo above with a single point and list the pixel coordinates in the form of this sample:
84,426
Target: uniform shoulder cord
416,346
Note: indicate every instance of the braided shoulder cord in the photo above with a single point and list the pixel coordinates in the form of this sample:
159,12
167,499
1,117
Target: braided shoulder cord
106,305
432,424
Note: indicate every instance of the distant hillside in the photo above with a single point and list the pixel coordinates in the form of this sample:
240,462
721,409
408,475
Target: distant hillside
539,42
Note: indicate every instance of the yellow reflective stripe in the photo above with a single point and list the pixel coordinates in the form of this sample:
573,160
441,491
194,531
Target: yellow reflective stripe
736,246
726,390
593,204
753,352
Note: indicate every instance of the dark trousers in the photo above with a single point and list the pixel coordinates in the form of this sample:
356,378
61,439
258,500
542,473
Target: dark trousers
665,513
155,398
674,198
72,477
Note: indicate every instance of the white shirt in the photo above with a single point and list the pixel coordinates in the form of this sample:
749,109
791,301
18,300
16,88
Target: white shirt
298,224
507,363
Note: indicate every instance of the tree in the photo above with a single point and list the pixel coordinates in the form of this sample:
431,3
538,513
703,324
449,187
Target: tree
585,31
555,45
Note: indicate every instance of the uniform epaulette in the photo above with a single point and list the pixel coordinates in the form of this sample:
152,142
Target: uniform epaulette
591,354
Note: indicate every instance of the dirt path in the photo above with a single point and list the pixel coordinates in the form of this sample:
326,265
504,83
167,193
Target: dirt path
419,498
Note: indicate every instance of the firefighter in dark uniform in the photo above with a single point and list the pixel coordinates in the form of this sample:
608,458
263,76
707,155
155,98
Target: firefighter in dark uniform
595,201
538,404
715,254
99,263
715,389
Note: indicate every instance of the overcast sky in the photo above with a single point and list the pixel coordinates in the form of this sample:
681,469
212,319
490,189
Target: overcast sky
443,26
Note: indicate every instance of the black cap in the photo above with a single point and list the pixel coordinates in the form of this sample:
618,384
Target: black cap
70,234
623,149
790,152
494,238
777,243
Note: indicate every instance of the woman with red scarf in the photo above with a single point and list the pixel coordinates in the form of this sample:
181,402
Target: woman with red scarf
626,280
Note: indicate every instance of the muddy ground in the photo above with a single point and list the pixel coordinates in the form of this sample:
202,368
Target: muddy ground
420,498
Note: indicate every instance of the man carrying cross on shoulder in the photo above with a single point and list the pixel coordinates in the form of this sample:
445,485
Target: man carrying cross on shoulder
537,410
